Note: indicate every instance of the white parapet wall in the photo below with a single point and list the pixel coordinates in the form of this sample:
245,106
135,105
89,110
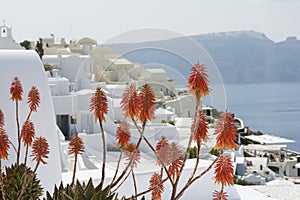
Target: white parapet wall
27,66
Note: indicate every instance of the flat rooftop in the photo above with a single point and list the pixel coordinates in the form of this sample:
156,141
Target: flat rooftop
269,139
261,147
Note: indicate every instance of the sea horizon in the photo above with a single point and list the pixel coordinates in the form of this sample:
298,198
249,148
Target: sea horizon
272,108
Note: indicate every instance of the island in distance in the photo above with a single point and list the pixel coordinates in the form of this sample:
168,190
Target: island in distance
241,56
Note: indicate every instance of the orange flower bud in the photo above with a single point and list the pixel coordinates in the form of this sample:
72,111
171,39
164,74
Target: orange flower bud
147,103
198,81
40,149
76,145
4,144
130,102
16,90
155,182
199,128
33,98
99,104
27,133
176,160
224,171
1,118
123,134
131,150
226,132
163,151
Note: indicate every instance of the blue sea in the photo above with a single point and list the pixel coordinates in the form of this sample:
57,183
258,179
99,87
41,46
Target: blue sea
272,108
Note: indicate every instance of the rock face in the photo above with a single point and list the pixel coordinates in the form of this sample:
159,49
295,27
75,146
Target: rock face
241,56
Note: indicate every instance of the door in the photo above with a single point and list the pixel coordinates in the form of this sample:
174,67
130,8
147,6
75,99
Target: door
62,122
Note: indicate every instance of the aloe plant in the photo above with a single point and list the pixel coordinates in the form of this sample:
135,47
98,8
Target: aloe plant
20,182
81,192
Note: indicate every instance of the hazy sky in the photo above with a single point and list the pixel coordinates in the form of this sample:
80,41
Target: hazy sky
103,19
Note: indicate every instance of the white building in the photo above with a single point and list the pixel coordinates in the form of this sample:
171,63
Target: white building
6,39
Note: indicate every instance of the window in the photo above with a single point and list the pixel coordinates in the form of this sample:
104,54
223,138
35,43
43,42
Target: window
3,32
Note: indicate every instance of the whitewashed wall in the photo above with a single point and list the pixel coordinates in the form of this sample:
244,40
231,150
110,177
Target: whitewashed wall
27,66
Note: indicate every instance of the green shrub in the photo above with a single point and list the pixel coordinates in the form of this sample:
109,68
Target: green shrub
214,152
171,122
163,121
193,152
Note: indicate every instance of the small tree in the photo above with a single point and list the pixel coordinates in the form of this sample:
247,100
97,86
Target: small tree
39,48
26,44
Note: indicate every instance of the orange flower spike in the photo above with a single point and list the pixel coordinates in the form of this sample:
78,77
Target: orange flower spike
40,149
198,81
176,160
27,133
147,103
4,144
163,151
33,98
155,182
226,132
1,118
200,128
224,171
99,104
219,195
130,102
131,150
16,90
123,134
76,145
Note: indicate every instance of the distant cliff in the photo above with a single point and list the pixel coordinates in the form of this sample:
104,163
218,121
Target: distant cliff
241,56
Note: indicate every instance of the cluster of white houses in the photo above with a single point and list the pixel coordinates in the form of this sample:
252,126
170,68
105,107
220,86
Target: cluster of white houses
81,66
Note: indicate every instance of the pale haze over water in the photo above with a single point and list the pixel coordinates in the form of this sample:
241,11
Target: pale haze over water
273,108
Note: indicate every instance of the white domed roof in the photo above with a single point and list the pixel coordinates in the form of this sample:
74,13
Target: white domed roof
86,40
